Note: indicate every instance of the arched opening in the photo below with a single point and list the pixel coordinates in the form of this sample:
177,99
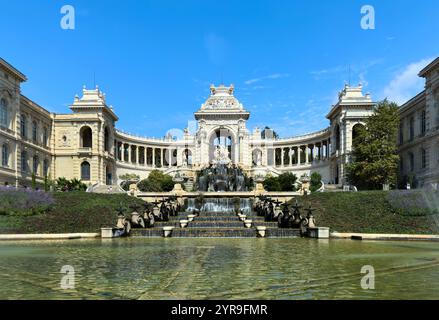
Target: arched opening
3,113
187,157
257,158
108,175
356,130
106,140
85,171
221,146
86,137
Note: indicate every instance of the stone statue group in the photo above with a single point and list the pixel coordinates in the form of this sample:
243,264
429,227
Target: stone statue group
273,210
221,177
147,216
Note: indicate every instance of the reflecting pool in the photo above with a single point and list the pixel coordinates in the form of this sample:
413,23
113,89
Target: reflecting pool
218,269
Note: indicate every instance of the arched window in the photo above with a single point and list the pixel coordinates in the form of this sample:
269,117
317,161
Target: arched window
34,131
24,161
45,167
86,137
35,165
23,126
5,155
187,157
85,171
3,113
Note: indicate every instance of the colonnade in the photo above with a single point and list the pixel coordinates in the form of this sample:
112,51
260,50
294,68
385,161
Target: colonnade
155,157
297,155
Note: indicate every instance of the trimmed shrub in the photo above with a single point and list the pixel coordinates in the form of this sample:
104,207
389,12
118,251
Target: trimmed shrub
24,202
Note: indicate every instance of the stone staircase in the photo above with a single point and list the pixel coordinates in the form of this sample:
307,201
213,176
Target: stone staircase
216,225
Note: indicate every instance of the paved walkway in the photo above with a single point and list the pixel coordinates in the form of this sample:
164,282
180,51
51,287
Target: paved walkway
385,236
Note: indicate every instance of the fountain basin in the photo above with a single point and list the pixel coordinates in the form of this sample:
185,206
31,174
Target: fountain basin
248,223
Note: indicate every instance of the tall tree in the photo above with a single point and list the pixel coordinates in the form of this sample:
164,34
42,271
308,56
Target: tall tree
374,157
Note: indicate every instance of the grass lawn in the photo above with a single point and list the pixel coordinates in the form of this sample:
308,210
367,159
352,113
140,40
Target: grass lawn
412,212
71,212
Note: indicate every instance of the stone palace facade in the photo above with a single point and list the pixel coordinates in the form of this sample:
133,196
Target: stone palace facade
85,144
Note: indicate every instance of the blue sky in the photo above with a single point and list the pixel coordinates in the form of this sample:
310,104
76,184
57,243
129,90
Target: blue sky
156,59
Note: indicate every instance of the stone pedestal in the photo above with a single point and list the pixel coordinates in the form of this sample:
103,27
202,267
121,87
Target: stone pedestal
261,232
248,223
167,232
318,233
259,189
107,233
178,190
184,223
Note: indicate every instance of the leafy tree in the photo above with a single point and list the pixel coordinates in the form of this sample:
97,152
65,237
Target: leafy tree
272,184
157,181
374,156
316,181
65,185
287,181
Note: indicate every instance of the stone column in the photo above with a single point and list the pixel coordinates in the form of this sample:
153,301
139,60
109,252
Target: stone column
306,154
299,155
153,157
291,156
282,157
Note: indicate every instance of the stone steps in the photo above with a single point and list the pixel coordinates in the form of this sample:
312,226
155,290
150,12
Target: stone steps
216,225
216,233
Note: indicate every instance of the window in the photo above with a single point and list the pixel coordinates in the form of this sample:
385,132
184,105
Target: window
45,167
401,133
3,113
23,161
106,140
85,171
412,162
35,164
423,158
45,137
412,128
5,155
23,123
34,131
423,122
86,137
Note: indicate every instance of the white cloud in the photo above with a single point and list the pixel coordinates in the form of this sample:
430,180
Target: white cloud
406,82
270,77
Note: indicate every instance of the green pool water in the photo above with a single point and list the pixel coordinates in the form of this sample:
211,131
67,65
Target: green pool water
219,269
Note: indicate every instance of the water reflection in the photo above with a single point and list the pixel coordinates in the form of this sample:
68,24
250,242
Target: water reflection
218,269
